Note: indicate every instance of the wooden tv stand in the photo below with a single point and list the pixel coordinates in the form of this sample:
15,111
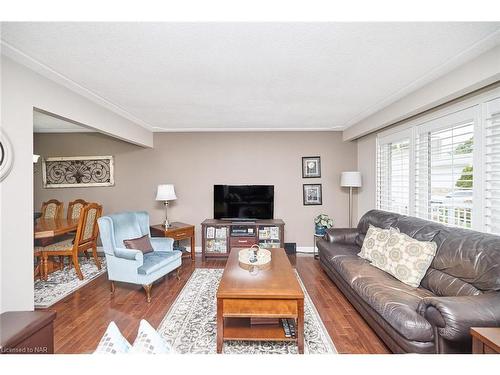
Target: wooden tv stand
218,237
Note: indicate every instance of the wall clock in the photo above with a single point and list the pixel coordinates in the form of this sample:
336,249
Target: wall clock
6,155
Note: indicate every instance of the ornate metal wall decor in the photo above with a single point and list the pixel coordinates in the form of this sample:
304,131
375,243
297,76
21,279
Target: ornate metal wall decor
6,155
78,171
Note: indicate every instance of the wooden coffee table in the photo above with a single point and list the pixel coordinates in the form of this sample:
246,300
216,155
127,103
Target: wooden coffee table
271,293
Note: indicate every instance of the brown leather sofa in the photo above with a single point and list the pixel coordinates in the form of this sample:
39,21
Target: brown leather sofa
460,290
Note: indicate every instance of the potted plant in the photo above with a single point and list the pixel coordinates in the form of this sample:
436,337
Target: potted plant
321,223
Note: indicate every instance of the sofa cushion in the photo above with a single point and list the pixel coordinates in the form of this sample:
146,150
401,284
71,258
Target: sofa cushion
405,258
377,218
470,256
157,260
374,245
419,229
390,298
442,284
327,250
360,238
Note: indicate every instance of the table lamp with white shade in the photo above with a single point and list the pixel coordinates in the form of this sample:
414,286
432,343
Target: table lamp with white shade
351,180
166,193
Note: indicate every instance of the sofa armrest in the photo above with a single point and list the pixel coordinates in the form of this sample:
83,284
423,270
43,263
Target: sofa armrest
129,254
162,243
454,316
341,235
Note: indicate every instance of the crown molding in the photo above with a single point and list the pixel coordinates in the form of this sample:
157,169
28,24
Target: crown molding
59,130
239,130
483,45
22,58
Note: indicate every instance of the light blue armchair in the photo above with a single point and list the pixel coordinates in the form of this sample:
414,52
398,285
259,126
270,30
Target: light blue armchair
132,266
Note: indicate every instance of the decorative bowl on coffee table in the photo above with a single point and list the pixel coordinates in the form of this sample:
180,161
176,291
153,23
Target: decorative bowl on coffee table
254,257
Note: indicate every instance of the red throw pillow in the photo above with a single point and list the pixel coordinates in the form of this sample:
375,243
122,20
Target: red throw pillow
142,243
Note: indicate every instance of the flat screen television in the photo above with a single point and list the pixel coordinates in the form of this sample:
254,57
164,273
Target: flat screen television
243,202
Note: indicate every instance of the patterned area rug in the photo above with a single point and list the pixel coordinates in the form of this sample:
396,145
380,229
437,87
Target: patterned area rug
190,324
64,282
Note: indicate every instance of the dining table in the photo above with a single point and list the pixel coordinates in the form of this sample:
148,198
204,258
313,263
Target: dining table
51,228
46,232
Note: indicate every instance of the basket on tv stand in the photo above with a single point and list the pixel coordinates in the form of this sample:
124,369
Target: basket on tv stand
218,237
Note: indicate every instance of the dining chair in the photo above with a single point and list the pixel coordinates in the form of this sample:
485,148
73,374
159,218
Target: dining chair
84,240
52,209
38,271
75,208
74,211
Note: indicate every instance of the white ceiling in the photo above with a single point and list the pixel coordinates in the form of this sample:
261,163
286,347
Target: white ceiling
45,123
209,76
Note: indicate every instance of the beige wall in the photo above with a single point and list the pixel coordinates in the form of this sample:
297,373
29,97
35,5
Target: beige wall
194,162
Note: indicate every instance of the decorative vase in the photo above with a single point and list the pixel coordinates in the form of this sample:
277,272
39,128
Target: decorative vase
320,230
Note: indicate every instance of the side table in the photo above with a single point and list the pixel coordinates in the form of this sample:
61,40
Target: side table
316,237
177,231
485,340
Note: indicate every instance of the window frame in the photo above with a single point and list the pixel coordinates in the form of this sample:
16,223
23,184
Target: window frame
432,121
389,139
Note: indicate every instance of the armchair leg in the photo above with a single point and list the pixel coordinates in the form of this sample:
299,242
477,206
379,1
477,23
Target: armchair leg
112,287
147,288
178,273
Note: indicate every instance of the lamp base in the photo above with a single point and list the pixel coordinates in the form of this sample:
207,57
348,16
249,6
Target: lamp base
166,223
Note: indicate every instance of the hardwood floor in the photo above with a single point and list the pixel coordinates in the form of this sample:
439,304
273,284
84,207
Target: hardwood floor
83,316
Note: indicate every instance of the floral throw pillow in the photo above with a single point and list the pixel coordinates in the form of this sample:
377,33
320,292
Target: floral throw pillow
406,258
374,244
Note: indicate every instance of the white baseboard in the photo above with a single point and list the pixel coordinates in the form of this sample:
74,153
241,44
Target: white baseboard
197,249
300,249
305,249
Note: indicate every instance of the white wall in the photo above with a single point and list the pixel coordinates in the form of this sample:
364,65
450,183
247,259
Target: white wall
463,82
480,72
367,147
21,91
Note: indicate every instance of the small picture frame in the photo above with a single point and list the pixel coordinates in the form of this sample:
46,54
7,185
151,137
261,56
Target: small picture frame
311,167
312,195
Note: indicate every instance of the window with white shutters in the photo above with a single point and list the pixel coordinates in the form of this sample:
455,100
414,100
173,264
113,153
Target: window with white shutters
492,167
444,173
393,175
445,166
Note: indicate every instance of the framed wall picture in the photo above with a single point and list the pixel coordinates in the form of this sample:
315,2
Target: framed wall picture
78,171
311,167
312,194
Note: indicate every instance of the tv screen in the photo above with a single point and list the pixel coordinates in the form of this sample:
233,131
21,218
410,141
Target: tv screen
243,202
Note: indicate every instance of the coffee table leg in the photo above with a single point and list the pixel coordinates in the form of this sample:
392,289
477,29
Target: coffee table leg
300,326
220,326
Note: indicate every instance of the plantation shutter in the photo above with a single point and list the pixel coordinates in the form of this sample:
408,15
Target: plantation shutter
393,173
492,167
444,178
